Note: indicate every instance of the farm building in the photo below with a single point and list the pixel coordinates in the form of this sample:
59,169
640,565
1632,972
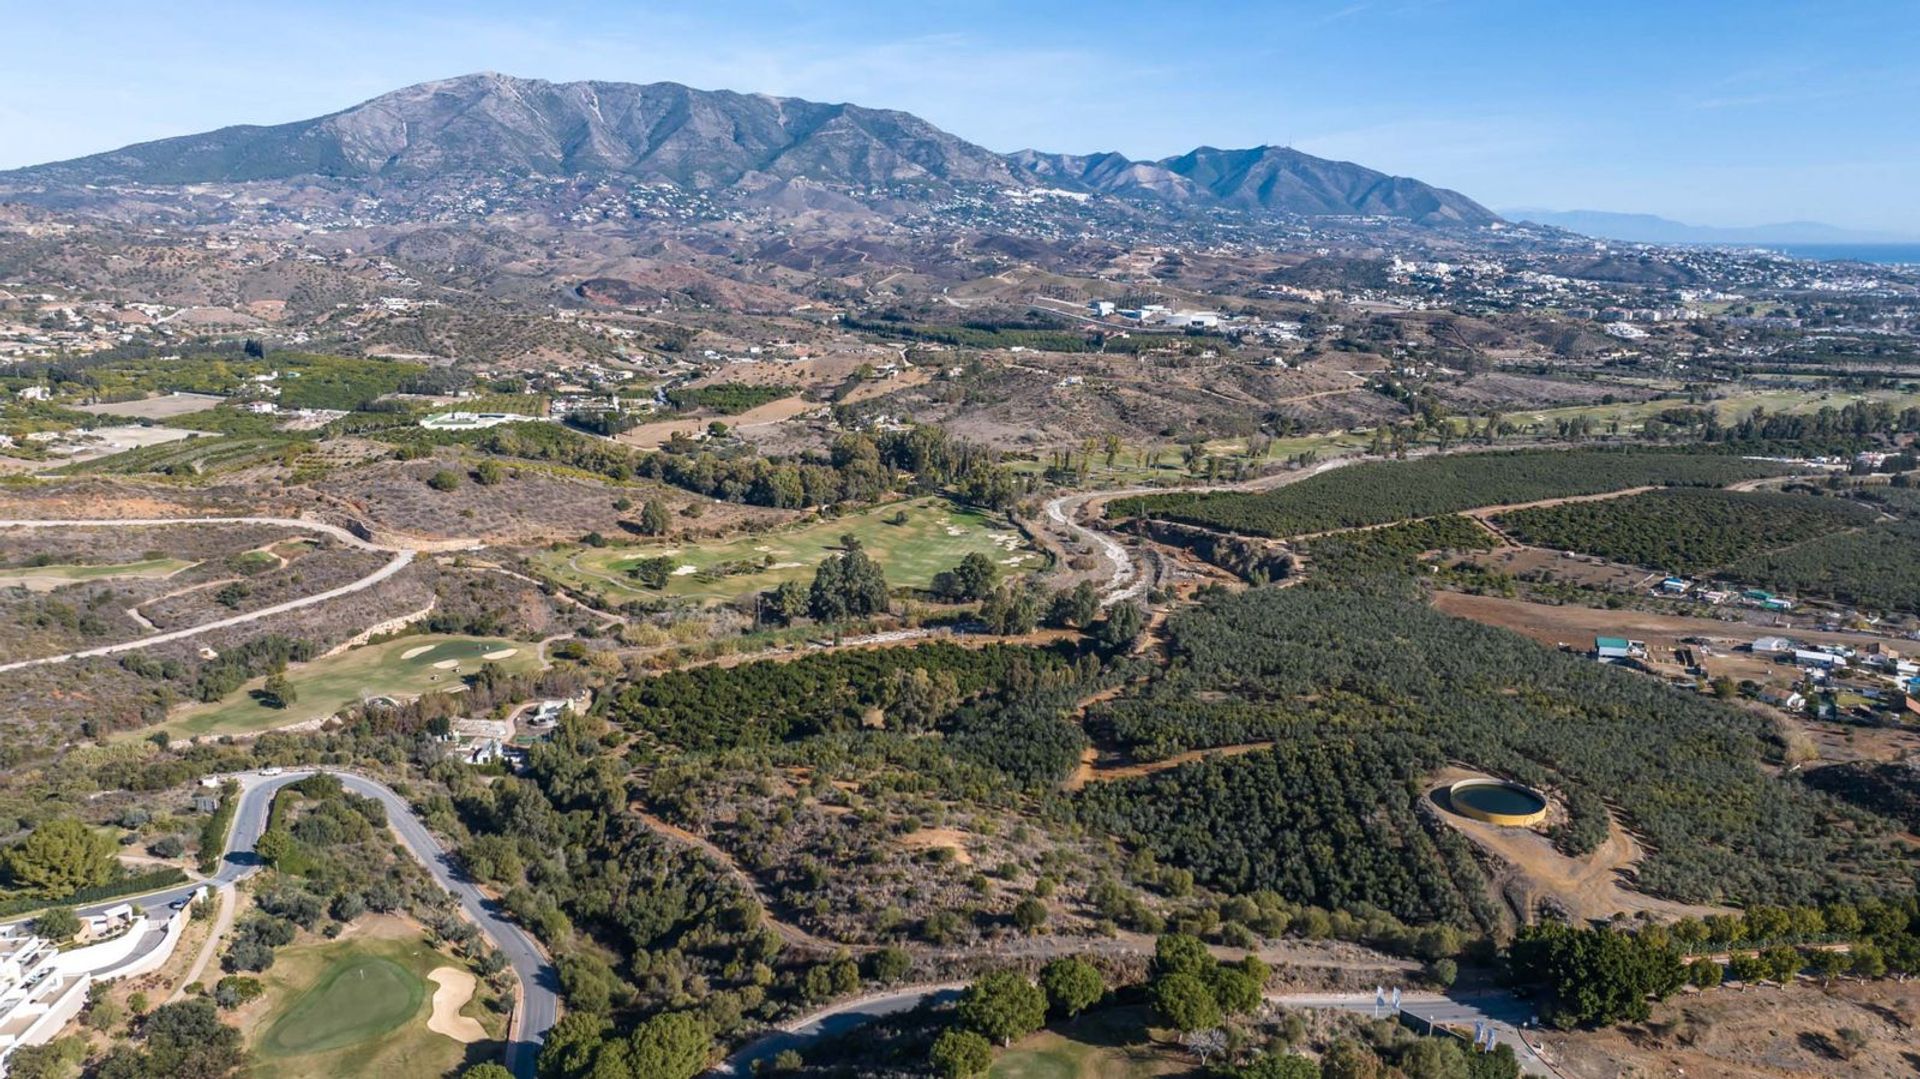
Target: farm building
1783,698
1773,644
1618,648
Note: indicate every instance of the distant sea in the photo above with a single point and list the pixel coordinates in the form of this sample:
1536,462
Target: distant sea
1881,253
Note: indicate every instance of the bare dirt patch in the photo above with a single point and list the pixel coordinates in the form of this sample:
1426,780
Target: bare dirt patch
1792,1031
164,407
1593,887
1091,770
1576,627
937,839
649,436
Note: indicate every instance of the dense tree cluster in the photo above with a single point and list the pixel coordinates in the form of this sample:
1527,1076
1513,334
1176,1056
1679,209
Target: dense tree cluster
1328,820
1338,677
1598,976
1379,559
857,468
1828,430
1889,789
1876,568
726,398
60,857
756,703
847,585
1685,531
653,944
1381,492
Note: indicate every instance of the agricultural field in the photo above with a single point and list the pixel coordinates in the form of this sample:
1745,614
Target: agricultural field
1363,695
360,1005
1381,492
1684,531
304,380
161,407
400,668
934,536
1874,569
47,578
189,454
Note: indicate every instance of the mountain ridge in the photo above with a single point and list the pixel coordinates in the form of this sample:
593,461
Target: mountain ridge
1651,228
490,123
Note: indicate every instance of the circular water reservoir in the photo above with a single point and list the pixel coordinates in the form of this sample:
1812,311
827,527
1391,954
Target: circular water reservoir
1497,801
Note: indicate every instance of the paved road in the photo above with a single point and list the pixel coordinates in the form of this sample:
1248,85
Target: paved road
401,559
1498,1007
1125,581
834,1019
540,985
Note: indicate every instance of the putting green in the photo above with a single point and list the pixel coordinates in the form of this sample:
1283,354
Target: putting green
361,998
358,1006
912,541
401,668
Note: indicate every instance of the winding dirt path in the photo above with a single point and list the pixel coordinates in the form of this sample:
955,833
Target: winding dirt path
402,558
789,932
1091,771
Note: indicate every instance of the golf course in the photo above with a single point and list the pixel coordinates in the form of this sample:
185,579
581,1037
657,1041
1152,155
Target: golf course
401,668
912,541
1106,1044
360,1005
48,578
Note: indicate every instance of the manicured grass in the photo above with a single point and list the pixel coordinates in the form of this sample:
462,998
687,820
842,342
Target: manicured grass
1110,1043
359,998
935,536
153,567
354,1006
325,686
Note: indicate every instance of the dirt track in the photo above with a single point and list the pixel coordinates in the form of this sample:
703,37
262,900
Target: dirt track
1593,887
1576,625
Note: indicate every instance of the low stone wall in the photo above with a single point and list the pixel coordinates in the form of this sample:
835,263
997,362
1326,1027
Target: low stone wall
391,625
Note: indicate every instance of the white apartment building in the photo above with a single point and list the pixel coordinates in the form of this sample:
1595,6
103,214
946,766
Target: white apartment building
36,996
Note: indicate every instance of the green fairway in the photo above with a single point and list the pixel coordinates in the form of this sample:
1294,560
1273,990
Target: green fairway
46,578
359,1005
401,668
935,535
360,998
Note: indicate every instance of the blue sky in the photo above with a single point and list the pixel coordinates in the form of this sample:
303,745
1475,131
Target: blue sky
1709,111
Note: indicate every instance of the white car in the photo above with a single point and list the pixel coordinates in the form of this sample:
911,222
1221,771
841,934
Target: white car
272,770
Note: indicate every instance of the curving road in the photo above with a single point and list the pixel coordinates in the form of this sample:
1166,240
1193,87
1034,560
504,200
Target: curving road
402,558
1125,581
539,1003
1506,1013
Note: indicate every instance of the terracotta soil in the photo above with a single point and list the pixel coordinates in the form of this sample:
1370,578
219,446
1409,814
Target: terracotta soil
1762,1032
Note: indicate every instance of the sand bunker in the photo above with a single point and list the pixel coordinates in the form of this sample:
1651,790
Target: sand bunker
501,653
419,650
452,989
446,665
686,570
